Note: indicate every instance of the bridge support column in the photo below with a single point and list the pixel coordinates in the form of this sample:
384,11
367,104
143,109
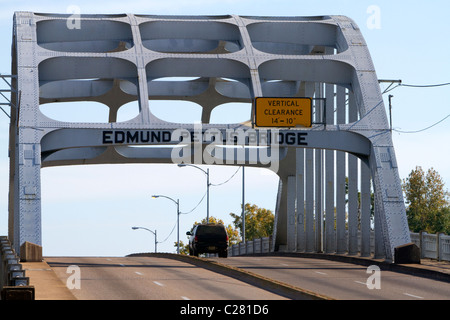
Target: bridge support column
365,202
25,136
300,195
25,210
284,228
309,205
291,214
390,210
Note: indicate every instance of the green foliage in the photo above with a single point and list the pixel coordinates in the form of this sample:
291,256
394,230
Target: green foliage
184,248
428,206
258,222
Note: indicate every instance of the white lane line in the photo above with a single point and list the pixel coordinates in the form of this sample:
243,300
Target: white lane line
137,272
185,298
360,282
158,283
284,264
411,295
319,272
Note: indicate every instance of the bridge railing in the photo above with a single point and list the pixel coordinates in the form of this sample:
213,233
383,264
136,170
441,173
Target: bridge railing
260,245
433,246
12,276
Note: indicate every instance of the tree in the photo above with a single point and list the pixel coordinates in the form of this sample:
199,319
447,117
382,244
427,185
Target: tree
372,203
428,206
258,222
184,248
233,234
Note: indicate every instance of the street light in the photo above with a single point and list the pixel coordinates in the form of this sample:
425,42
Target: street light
207,185
177,202
154,232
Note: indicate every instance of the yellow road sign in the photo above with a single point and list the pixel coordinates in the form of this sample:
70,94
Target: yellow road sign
283,112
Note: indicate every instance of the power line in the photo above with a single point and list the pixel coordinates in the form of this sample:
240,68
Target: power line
400,84
219,184
201,200
215,185
417,131
169,234
425,85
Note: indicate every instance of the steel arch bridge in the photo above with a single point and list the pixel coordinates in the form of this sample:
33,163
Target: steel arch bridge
213,61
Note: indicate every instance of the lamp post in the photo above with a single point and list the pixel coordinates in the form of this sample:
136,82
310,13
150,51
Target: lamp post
177,202
243,203
207,185
154,232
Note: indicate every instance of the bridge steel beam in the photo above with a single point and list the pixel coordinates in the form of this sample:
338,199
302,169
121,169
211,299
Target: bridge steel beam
116,60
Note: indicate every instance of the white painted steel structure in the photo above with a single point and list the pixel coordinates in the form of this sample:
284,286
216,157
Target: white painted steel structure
121,59
433,246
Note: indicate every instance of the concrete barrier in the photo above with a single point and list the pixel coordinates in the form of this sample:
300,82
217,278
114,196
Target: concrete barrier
30,252
14,284
18,293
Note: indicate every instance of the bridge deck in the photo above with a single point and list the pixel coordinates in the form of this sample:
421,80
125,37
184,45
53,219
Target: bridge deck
48,286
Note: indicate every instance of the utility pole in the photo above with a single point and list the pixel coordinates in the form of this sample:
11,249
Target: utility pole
243,203
390,110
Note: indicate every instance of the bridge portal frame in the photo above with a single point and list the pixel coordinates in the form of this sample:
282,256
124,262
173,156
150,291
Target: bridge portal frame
115,59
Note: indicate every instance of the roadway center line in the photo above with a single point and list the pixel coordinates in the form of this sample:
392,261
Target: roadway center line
411,295
158,283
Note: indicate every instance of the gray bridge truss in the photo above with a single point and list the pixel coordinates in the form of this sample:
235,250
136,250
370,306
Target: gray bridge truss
213,61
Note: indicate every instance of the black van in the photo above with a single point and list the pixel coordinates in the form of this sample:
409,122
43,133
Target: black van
208,238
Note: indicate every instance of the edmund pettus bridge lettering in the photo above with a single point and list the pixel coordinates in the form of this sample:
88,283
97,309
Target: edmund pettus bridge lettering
248,137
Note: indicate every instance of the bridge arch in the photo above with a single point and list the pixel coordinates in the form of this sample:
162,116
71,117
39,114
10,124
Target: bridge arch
235,60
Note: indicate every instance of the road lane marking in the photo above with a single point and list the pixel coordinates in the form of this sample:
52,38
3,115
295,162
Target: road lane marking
27,269
158,283
185,298
411,295
361,282
137,272
320,272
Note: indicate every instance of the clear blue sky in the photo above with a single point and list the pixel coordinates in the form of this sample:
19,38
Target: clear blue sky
89,210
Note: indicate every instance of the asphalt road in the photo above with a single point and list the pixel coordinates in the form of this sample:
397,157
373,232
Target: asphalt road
149,278
342,281
156,278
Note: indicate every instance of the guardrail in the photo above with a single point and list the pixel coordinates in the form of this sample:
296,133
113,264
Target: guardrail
432,246
14,285
260,245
